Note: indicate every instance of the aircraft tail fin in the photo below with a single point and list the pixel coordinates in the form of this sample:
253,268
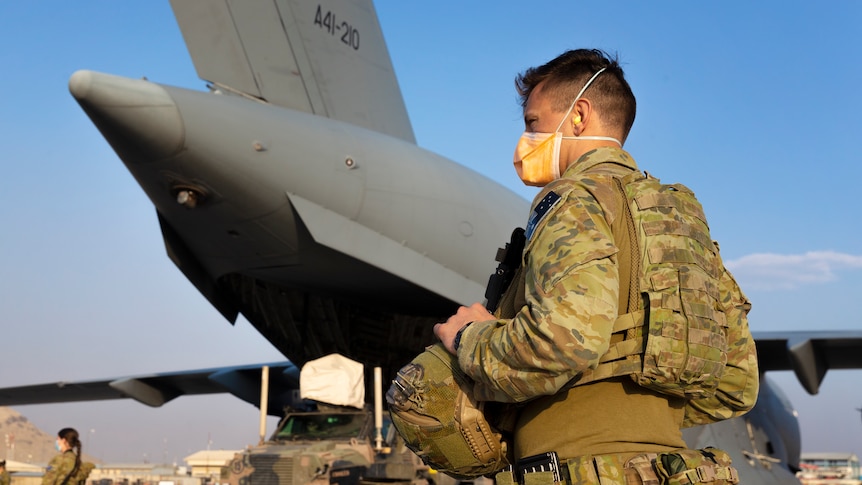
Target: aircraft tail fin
326,58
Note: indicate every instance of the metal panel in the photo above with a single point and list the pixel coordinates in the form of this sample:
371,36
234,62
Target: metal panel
214,44
271,48
351,65
339,233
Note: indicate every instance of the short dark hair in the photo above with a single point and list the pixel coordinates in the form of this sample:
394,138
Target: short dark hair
566,75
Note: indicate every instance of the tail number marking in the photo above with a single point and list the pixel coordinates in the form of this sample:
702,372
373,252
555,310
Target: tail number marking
327,22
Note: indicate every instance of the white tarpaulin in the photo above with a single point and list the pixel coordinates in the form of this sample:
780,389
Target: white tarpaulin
333,379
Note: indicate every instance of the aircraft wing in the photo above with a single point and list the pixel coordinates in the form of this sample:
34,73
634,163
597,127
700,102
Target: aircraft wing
809,354
324,58
157,389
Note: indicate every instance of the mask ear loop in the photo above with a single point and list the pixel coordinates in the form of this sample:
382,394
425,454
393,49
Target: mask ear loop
581,93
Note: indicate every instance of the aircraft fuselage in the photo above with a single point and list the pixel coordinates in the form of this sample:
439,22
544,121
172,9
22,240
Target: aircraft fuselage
252,195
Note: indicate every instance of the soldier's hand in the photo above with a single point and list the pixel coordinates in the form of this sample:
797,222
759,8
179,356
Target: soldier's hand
466,314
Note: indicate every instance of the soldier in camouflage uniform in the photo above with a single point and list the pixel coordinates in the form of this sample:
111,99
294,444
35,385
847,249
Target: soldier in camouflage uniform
67,467
4,475
578,110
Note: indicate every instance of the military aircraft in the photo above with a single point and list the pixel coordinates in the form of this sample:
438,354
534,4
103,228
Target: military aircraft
293,192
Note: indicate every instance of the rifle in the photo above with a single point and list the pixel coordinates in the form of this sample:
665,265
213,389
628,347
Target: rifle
509,258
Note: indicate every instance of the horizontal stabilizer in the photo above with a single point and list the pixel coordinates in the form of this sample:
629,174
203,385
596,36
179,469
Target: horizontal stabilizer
809,354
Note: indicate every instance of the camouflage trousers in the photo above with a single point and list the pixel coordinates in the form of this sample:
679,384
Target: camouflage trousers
709,466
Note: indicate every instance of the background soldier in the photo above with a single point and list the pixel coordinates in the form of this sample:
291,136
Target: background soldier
67,467
4,475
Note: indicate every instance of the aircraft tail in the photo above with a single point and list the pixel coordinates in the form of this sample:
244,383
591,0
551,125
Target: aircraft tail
328,58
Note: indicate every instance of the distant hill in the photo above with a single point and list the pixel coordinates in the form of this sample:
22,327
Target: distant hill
21,440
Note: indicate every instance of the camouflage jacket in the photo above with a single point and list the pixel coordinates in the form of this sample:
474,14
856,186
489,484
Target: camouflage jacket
572,293
61,466
572,299
5,479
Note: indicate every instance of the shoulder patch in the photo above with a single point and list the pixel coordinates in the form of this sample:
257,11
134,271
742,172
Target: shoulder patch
540,211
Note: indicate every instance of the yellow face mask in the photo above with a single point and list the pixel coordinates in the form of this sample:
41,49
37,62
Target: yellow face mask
537,156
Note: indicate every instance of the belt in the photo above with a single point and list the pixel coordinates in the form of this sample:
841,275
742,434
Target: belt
616,469
611,469
679,467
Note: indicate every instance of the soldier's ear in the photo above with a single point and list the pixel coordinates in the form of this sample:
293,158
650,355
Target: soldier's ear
580,116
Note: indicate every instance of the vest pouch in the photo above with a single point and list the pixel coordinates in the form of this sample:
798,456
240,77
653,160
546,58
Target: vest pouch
665,353
683,467
539,478
642,467
686,348
505,477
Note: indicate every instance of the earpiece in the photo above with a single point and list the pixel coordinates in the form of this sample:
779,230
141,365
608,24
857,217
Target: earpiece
577,119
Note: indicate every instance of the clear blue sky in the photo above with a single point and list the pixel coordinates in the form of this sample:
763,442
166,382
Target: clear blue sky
754,105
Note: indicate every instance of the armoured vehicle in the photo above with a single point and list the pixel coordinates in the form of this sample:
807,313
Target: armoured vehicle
329,435
332,444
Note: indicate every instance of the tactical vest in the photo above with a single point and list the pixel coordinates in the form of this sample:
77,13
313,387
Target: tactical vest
670,335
